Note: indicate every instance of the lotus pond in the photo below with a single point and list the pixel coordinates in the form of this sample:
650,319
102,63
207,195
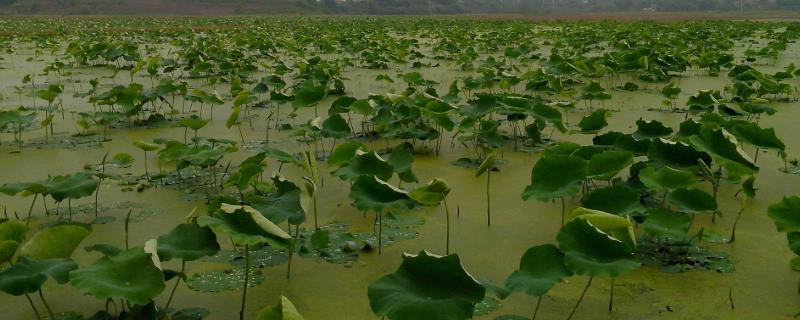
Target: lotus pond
398,168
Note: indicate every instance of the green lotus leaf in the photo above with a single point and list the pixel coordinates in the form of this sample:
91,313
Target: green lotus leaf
755,135
590,251
540,269
649,129
284,310
723,148
282,204
556,176
279,155
74,186
188,242
365,163
661,223
563,148
606,165
244,176
13,230
675,154
56,242
130,275
401,158
618,227
432,193
786,214
308,94
426,287
594,122
245,226
666,178
145,145
487,164
7,250
692,200
345,152
369,193
28,275
335,127
794,241
193,122
618,199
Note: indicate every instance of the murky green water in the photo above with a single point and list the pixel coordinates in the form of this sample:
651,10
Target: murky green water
762,286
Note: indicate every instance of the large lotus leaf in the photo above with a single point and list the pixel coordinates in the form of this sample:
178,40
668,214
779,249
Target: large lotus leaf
7,249
308,94
335,127
628,143
73,186
284,310
13,230
245,226
661,223
794,241
28,275
279,155
285,203
563,148
345,152
755,135
549,114
432,193
723,148
365,163
692,200
675,154
401,158
187,241
590,251
606,165
26,188
648,129
242,178
540,269
786,214
594,122
426,287
619,228
130,275
56,242
556,176
369,193
146,146
666,178
587,152
618,199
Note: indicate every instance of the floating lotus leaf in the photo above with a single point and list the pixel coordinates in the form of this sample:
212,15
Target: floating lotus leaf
556,176
187,241
666,178
618,199
661,223
56,242
723,148
370,193
786,214
130,275
365,163
606,165
245,226
590,251
692,200
28,275
432,193
540,269
284,310
426,287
